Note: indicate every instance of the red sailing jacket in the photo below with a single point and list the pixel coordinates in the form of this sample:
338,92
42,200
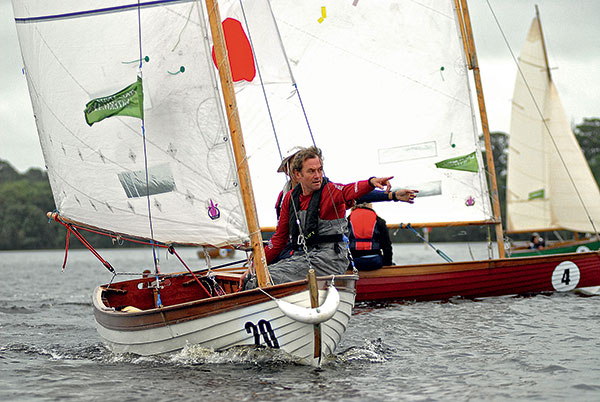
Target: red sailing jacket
334,195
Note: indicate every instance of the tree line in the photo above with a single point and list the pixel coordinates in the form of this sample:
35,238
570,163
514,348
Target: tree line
26,198
24,201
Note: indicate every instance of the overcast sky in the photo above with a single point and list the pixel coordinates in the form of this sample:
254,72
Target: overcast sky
571,30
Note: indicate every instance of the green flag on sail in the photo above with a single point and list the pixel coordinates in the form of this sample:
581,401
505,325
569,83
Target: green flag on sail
536,194
127,102
467,163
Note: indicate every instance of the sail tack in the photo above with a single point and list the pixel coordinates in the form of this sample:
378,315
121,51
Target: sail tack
547,171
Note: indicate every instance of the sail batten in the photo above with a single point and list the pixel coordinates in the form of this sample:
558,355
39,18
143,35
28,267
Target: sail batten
549,184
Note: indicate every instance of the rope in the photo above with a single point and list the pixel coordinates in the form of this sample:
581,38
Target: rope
304,113
272,298
440,252
541,114
155,257
66,249
172,251
261,81
72,229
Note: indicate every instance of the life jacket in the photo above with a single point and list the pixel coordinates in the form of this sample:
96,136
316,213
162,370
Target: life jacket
364,233
311,226
287,187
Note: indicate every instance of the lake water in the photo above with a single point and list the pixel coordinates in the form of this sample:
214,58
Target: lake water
506,348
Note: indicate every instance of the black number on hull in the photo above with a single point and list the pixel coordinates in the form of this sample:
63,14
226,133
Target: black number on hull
264,329
252,328
565,277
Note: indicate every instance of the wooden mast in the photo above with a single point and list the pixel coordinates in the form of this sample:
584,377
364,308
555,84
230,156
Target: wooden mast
469,43
237,141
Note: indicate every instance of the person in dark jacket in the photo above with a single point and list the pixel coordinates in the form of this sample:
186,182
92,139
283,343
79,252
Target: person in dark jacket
370,242
537,242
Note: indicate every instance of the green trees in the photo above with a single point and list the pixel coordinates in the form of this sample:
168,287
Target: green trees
24,201
588,135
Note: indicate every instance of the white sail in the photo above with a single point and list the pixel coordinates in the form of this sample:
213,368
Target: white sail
386,93
76,51
541,193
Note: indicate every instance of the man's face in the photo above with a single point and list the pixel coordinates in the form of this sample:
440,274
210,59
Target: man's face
311,175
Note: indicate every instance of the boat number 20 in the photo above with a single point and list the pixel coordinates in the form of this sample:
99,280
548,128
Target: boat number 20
263,328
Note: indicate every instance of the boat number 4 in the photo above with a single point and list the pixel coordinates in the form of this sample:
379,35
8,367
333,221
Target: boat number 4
263,328
565,276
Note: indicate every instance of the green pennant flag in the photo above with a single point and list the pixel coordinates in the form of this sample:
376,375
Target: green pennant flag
467,163
127,102
536,194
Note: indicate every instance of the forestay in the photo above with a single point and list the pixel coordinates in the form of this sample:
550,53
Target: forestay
76,51
541,193
386,92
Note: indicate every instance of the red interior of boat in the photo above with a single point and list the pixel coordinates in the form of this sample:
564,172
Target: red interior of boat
142,293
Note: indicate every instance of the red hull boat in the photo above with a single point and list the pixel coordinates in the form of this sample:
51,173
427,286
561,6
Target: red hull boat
474,279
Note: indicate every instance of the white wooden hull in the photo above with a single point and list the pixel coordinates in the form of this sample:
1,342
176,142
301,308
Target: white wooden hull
258,324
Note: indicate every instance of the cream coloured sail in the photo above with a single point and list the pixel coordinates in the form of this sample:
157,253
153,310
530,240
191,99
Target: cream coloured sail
97,172
386,92
541,193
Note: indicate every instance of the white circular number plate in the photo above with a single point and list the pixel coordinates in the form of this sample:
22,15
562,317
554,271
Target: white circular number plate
565,276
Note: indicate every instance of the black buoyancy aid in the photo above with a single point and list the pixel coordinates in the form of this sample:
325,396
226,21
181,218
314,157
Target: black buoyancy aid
364,234
311,226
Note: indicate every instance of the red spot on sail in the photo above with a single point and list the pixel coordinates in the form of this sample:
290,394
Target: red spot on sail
240,52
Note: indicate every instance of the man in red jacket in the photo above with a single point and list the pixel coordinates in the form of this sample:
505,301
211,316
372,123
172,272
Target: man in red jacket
313,221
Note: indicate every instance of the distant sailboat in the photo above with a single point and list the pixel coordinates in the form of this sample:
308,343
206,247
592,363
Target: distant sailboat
549,185
181,177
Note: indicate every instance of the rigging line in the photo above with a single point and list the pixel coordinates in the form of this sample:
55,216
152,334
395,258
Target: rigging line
172,251
544,120
155,258
294,83
305,115
262,85
97,11
437,250
73,229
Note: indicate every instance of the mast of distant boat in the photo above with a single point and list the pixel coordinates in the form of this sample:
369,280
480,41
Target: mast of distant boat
237,141
464,20
537,16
